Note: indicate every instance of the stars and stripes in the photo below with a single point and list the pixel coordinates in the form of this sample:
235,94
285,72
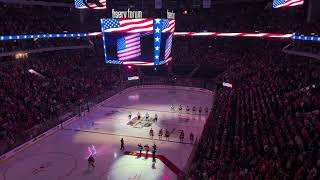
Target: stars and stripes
168,48
165,61
222,34
227,34
129,47
157,39
94,33
168,25
83,4
286,3
127,25
142,63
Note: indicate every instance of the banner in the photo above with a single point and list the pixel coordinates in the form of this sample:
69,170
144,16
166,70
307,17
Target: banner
158,4
287,3
206,3
90,4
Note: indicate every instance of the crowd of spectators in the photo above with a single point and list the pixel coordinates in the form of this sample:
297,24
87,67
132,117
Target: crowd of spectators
312,48
20,19
33,44
211,51
246,17
65,78
268,124
24,19
221,52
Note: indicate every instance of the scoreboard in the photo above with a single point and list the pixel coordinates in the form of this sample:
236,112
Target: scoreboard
143,41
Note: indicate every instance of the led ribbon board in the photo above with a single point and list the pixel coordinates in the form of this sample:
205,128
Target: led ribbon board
205,34
46,36
228,34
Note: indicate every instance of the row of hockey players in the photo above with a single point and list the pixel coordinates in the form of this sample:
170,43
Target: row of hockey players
187,109
147,148
167,135
140,148
147,116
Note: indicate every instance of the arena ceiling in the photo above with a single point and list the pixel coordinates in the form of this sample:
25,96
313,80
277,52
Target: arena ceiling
148,4
172,4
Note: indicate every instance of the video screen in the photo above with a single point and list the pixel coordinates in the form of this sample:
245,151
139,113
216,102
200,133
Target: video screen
166,48
129,48
287,3
91,4
137,41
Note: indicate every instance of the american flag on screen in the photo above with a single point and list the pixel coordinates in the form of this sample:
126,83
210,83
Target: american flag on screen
168,25
286,3
168,47
84,4
128,47
127,25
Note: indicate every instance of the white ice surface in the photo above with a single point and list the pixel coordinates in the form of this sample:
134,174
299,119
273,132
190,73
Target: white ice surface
62,156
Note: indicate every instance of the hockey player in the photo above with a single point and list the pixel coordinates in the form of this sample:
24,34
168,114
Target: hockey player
146,147
140,149
129,116
121,144
151,133
167,135
154,150
153,155
147,116
154,147
200,110
90,162
181,137
191,137
160,134
194,109
172,107
180,108
155,118
139,116
187,109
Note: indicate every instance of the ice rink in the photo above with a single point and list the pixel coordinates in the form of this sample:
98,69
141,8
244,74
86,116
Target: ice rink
63,155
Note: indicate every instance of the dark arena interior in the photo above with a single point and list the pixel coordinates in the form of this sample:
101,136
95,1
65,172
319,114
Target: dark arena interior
159,89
